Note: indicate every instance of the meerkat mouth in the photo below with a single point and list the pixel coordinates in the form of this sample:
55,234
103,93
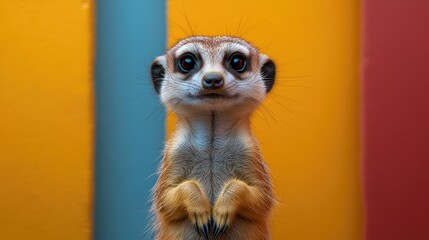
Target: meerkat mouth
213,96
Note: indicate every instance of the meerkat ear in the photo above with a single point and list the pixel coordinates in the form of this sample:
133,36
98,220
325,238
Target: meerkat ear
157,72
268,72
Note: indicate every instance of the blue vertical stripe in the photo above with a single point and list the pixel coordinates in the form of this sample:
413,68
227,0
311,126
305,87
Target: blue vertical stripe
129,117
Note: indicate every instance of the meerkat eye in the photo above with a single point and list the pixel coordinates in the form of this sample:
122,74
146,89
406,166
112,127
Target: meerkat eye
187,62
238,62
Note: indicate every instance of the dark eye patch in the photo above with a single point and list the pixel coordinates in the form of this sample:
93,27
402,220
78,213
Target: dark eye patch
237,63
187,64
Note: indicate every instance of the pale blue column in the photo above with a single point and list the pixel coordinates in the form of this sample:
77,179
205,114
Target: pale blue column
129,117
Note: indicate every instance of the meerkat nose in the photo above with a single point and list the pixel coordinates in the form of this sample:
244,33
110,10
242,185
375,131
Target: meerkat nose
212,81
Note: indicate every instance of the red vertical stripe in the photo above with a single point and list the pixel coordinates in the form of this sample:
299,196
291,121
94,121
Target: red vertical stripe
396,119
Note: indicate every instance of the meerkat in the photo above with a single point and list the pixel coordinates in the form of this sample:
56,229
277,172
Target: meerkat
213,182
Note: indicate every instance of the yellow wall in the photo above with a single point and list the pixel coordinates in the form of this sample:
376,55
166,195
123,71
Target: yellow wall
308,126
45,119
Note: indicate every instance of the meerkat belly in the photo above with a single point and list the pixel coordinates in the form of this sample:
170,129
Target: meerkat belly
213,164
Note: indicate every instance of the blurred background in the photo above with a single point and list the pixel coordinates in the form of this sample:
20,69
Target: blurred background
344,131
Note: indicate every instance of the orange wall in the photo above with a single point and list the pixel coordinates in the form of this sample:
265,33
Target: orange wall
45,119
308,126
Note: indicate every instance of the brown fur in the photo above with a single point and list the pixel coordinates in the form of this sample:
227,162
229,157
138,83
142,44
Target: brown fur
213,170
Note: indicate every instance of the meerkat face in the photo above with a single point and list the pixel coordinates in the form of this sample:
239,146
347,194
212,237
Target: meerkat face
212,73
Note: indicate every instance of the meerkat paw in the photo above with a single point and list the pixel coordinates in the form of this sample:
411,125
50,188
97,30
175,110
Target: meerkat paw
222,218
201,218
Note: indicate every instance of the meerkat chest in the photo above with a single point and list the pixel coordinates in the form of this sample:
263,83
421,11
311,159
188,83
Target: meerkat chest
212,158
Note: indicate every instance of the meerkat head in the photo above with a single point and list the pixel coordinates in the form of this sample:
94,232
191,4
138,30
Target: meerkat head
212,74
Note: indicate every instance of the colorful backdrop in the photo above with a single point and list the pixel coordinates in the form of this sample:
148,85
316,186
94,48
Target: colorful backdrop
46,119
344,131
308,125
